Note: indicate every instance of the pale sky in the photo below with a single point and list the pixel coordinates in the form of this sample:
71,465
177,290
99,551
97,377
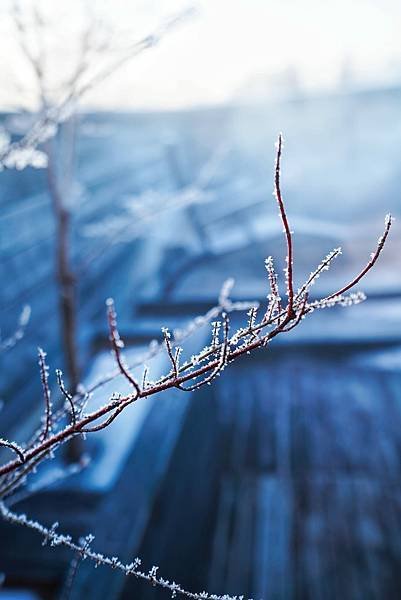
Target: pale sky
227,44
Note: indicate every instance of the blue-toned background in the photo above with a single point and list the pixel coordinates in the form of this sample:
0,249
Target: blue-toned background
282,480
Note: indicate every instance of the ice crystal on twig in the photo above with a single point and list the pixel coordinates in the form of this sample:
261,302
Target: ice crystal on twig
117,344
44,375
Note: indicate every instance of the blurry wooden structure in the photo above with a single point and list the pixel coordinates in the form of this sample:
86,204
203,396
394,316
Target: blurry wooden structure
282,480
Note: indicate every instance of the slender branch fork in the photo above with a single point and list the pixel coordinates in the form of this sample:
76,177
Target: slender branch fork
197,371
287,231
214,358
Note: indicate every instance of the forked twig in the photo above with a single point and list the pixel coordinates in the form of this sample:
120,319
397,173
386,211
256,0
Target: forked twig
66,395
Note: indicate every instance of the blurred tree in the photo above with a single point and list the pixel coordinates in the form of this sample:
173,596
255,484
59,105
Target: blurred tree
98,52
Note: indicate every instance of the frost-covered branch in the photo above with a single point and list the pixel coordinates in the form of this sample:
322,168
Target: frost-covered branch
44,376
287,232
202,368
179,335
188,375
117,344
69,398
83,548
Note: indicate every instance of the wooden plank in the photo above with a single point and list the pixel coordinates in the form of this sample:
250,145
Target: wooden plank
370,536
240,543
221,536
272,570
347,548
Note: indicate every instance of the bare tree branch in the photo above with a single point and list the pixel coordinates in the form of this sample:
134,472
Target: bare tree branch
117,344
195,372
66,395
202,368
84,549
287,231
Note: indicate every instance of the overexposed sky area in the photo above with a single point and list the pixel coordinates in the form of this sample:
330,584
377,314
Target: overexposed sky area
217,54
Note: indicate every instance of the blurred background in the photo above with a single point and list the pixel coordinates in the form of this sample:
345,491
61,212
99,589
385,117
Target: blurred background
151,181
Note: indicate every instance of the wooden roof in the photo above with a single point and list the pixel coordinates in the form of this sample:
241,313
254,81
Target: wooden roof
285,484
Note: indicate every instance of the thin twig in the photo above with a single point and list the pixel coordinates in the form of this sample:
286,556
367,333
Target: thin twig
287,231
15,448
44,375
50,535
117,344
373,258
201,369
66,395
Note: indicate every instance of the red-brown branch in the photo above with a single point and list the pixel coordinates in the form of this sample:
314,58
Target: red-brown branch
122,402
117,344
287,231
375,255
219,354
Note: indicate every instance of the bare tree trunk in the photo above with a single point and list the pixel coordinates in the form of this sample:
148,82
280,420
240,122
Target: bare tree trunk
66,288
